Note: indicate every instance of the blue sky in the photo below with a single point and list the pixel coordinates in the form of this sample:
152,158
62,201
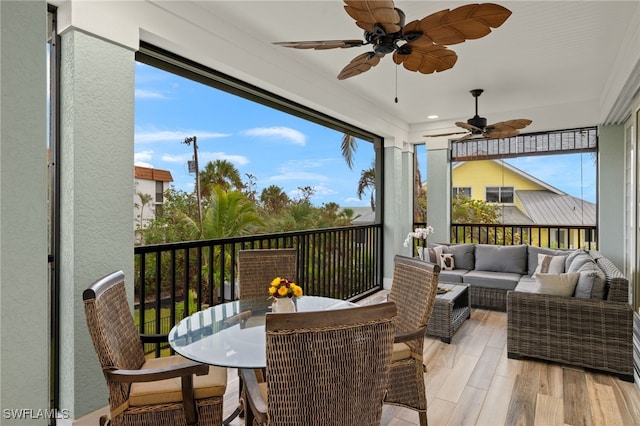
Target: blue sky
574,174
275,147
278,148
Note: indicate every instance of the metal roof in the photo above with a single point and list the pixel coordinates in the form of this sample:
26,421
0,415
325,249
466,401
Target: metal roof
548,208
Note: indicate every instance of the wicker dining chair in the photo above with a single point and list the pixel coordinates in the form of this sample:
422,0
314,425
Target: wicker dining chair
258,267
156,391
325,368
413,290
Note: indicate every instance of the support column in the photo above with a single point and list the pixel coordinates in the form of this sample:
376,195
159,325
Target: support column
24,290
97,129
398,208
611,201
439,192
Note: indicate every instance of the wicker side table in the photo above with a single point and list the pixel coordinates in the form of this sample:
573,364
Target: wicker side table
450,310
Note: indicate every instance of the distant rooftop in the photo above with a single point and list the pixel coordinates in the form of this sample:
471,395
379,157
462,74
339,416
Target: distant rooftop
548,208
152,174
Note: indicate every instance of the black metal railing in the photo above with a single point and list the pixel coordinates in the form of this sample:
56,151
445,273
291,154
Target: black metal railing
567,237
177,279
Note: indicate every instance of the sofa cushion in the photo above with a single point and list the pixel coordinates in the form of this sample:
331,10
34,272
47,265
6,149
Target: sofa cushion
548,264
447,262
463,254
557,284
488,279
591,283
532,256
454,276
578,261
527,285
510,259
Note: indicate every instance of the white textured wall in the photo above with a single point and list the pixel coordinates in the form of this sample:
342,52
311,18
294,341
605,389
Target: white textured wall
97,107
24,293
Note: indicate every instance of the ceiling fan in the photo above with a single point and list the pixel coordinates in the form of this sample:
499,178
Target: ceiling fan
477,125
418,46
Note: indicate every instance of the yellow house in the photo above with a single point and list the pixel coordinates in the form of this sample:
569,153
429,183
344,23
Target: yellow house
541,213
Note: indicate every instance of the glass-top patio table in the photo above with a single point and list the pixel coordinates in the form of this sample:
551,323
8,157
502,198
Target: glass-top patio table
232,334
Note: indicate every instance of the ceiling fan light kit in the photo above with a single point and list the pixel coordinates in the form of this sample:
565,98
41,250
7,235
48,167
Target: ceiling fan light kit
420,45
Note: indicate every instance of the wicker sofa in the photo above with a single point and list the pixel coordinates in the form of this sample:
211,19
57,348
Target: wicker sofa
592,328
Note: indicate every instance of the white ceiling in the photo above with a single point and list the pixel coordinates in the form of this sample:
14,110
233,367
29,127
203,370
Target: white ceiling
548,53
559,63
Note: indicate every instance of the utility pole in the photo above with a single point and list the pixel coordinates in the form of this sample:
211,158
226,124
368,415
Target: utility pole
187,142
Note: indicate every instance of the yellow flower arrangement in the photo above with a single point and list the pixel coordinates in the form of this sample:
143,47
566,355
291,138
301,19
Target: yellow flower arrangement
282,287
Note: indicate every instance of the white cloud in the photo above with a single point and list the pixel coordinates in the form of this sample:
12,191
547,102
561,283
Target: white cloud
322,190
180,158
240,160
148,94
143,156
299,176
355,200
177,136
307,164
205,157
143,164
278,132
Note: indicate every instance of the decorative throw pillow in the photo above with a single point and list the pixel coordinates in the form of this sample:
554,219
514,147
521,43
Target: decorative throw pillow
432,254
591,283
557,284
548,264
446,262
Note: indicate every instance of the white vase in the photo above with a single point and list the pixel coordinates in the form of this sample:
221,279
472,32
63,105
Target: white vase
283,304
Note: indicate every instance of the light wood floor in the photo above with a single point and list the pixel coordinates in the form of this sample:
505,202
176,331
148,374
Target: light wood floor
472,382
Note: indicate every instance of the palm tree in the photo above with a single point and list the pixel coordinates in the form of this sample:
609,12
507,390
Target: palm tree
274,199
368,181
419,194
229,214
222,173
144,200
348,147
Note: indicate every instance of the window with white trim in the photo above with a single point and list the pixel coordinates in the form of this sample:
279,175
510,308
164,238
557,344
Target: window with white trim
499,194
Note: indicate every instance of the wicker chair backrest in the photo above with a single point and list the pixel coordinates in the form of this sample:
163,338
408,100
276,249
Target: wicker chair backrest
257,268
113,331
332,366
413,290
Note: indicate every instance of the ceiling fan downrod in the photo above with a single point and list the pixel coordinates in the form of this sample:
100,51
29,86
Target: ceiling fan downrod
476,120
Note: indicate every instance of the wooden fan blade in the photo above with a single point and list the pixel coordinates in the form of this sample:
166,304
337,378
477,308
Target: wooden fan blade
516,124
492,134
506,129
468,126
465,137
467,22
320,44
426,60
360,64
367,13
443,134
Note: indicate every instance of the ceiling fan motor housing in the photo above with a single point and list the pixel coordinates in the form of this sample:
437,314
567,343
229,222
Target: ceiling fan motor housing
479,122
